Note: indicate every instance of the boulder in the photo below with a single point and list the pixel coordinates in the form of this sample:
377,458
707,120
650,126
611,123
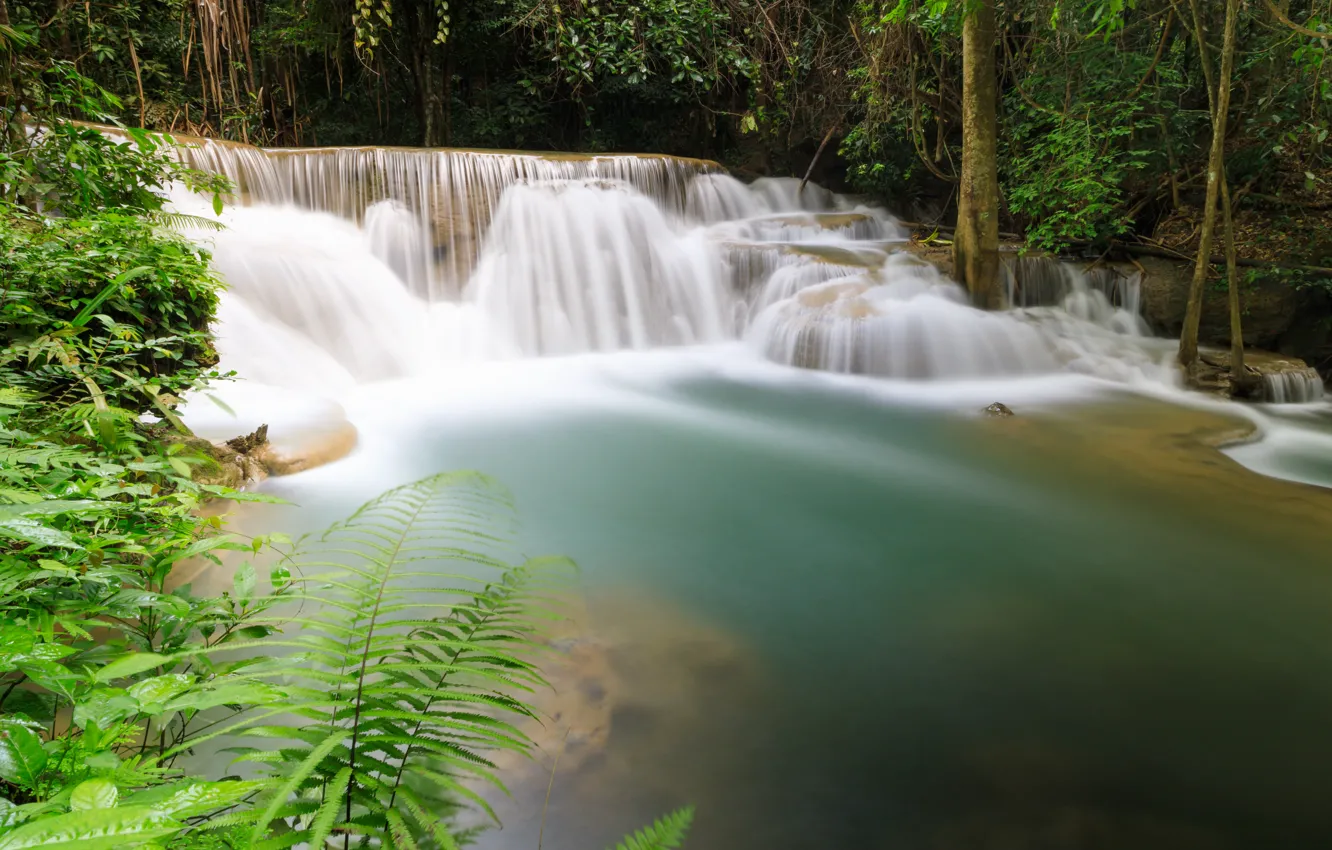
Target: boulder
1270,307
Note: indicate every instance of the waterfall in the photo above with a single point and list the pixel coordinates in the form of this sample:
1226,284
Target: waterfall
348,265
1297,386
904,320
449,194
594,265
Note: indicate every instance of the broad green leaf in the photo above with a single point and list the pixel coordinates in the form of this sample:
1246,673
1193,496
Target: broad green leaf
201,798
21,755
244,693
243,582
15,643
204,546
93,829
105,760
107,291
159,689
104,707
242,496
127,603
32,531
130,665
51,675
94,794
51,507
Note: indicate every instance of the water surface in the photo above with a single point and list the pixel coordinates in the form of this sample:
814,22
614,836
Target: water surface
833,613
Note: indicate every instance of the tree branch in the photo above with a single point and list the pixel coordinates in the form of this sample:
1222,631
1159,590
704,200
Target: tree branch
1280,16
1160,51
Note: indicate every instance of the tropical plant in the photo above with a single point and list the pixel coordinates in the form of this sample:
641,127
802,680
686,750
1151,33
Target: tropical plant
415,657
666,833
408,661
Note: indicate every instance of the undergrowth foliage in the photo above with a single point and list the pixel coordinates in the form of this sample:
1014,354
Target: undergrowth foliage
405,659
415,660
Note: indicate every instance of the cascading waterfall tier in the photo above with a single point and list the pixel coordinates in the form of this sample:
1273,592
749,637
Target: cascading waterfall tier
1296,386
904,320
442,200
594,265
358,264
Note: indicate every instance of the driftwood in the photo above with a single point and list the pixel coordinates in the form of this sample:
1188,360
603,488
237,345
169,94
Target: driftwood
815,161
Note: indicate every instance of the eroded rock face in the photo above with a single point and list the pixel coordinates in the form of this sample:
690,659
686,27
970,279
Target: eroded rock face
1270,309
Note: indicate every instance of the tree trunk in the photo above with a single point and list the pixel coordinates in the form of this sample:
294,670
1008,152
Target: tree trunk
1188,340
11,126
976,243
1239,378
448,93
6,76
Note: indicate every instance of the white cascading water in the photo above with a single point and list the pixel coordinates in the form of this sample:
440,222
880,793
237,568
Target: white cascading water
356,264
450,194
595,265
902,320
1293,387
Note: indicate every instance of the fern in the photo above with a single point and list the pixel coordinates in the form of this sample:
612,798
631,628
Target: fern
185,221
414,666
666,833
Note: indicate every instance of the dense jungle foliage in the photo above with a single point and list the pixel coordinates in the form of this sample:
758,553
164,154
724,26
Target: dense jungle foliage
1103,104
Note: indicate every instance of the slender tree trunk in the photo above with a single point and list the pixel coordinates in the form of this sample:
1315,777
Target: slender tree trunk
976,243
1238,377
11,125
8,98
448,92
1188,340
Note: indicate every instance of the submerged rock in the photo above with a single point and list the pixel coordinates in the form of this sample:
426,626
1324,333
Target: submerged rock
998,409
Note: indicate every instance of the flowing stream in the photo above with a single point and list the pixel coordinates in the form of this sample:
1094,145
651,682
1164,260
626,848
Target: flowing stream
822,597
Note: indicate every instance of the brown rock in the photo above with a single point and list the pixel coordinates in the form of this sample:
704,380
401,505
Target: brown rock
1270,308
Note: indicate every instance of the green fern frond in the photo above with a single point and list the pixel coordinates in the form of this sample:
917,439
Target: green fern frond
185,221
667,833
13,397
420,620
43,457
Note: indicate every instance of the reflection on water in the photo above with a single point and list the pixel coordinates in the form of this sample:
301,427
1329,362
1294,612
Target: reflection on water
831,620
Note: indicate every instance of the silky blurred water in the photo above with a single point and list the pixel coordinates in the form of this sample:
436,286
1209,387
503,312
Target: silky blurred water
835,616
828,610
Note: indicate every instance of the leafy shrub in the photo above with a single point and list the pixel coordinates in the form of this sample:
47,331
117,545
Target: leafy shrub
105,306
1066,190
71,169
100,304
